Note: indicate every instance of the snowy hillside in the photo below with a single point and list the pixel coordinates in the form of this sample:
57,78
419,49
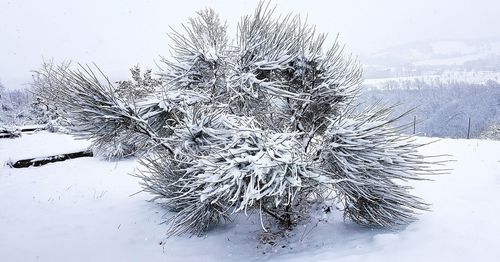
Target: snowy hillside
446,82
434,64
437,53
84,210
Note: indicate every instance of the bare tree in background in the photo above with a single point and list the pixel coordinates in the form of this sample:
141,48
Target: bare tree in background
139,86
47,83
2,89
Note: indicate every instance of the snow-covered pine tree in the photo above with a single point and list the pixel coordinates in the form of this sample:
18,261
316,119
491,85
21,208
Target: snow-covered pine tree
265,124
59,94
120,144
118,126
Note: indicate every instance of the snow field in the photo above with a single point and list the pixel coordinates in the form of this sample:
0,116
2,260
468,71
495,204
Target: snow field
82,210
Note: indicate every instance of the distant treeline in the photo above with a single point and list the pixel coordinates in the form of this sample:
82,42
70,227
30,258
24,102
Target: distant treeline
16,108
443,110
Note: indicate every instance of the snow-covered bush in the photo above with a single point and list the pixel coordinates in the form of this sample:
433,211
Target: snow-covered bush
225,162
59,103
117,127
117,145
370,154
265,125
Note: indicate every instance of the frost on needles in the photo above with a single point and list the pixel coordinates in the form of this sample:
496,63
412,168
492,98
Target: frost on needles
262,122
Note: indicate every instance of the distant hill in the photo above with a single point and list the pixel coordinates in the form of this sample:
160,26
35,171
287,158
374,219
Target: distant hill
434,57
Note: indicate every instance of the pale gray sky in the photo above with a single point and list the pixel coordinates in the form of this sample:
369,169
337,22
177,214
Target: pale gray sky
117,34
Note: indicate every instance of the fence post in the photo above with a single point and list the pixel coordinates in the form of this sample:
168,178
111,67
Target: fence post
414,123
468,129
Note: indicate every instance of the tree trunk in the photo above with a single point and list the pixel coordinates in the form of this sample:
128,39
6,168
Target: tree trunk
40,161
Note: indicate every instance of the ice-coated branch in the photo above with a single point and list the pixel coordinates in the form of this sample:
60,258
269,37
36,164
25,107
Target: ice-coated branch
223,164
371,153
97,113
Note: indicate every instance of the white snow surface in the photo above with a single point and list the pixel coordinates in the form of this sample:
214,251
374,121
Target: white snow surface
82,210
458,60
451,47
39,144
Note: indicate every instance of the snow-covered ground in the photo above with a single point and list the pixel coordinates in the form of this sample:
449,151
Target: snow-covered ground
39,145
82,210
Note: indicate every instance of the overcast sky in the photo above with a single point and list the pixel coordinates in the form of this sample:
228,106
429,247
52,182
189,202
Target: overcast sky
117,34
